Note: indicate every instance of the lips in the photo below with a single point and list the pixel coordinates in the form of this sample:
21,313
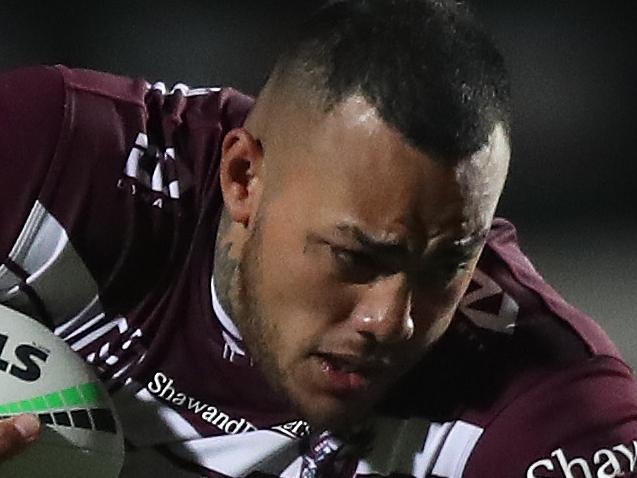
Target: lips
344,374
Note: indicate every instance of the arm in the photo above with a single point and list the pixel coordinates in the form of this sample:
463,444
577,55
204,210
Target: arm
580,421
31,114
111,203
113,207
68,231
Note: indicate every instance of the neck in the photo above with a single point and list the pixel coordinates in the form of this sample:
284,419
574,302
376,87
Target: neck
226,264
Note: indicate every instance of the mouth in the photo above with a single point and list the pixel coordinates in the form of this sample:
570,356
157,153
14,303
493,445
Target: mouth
347,375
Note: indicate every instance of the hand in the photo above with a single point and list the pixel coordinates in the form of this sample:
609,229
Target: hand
16,433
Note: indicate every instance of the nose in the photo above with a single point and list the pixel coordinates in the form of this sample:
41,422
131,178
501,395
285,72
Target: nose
383,311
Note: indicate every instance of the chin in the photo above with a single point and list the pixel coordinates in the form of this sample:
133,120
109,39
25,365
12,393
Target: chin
333,413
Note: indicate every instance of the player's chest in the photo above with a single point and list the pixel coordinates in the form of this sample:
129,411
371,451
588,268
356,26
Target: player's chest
164,424
192,405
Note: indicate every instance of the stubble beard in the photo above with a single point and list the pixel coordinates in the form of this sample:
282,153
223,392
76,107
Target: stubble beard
258,333
261,336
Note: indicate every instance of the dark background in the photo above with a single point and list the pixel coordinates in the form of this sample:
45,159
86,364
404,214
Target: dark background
573,175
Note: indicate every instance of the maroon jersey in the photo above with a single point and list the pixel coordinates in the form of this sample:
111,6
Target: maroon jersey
109,204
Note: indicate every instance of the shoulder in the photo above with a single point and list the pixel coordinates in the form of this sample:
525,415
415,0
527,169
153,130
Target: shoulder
569,401
111,171
531,309
582,417
97,118
511,330
533,377
71,91
180,106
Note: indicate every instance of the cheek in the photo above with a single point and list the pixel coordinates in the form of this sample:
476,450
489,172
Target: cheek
435,329
293,291
297,276
432,312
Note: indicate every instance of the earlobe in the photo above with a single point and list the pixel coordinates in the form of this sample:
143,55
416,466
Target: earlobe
240,174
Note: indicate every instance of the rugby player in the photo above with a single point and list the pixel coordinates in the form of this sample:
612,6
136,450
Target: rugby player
311,283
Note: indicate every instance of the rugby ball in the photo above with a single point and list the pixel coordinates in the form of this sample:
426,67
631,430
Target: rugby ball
41,375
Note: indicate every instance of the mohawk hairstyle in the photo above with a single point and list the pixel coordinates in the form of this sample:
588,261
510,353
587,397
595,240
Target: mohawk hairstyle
427,67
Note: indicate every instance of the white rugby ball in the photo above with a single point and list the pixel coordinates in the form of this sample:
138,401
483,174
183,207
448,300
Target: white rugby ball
41,375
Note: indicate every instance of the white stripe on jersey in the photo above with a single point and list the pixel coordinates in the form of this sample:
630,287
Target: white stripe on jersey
147,421
159,86
456,450
203,91
179,87
443,448
92,315
132,169
239,455
408,458
174,187
438,433
44,252
118,322
439,448
224,318
157,181
184,89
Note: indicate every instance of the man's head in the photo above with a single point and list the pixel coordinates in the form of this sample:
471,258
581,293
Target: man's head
359,195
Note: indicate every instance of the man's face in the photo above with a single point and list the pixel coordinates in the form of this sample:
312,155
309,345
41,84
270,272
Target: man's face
356,264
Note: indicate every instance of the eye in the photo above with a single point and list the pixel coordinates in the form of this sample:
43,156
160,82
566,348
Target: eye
353,265
351,257
441,274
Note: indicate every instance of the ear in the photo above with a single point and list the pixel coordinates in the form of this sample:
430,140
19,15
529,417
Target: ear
241,174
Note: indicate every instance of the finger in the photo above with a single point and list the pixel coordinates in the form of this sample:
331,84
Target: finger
16,433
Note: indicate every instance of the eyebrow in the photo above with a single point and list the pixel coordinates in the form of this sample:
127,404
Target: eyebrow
465,246
367,241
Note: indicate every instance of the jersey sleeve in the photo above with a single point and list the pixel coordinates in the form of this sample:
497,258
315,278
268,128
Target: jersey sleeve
103,181
66,228
577,422
31,114
32,102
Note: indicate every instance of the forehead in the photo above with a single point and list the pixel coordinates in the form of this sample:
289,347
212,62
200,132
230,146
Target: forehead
353,167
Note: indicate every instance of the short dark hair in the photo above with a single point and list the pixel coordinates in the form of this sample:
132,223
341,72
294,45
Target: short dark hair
427,66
